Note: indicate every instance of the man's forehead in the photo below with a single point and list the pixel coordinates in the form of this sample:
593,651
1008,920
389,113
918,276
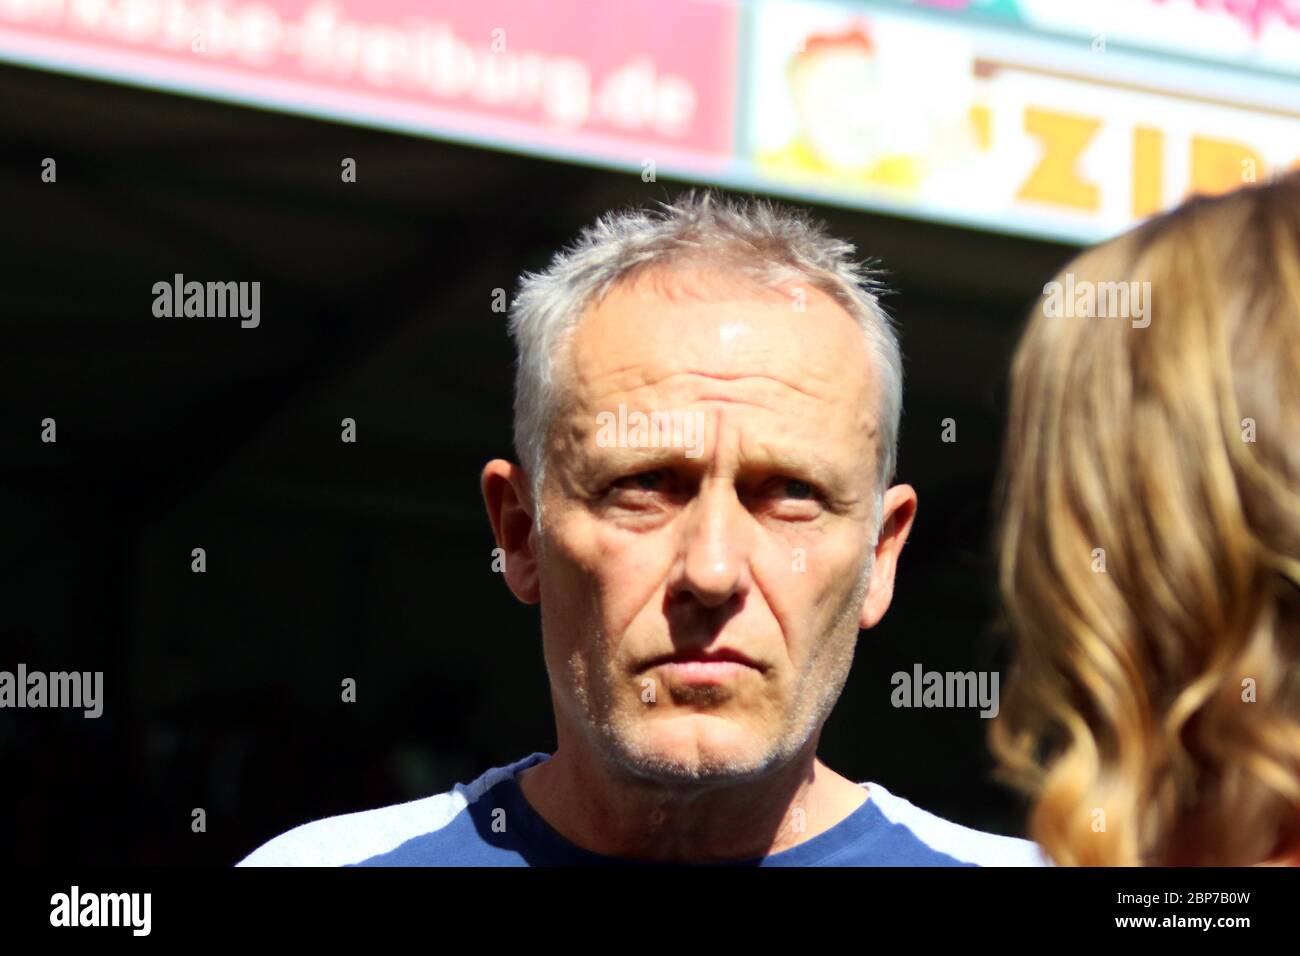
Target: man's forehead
712,323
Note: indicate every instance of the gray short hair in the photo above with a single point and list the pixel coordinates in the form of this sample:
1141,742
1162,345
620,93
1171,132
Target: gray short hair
761,240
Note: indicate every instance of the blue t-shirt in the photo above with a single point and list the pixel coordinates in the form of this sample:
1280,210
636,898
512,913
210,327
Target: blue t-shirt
489,823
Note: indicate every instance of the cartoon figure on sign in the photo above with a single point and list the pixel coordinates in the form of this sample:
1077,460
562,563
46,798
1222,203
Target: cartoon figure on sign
863,115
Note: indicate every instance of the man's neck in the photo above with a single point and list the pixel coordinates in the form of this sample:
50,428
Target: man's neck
606,811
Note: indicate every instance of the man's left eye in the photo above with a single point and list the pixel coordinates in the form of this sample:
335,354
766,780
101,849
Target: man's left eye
641,481
791,498
795,488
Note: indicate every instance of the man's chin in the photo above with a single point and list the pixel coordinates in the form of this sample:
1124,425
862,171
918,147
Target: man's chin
695,748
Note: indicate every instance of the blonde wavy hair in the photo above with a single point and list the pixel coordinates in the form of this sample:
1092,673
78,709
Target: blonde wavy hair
1149,547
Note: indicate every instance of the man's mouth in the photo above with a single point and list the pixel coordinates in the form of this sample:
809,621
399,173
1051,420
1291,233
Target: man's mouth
704,667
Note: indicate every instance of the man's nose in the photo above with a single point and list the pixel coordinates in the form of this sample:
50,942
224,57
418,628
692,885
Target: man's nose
713,563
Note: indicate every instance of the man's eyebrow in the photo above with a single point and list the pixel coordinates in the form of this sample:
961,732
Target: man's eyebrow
594,458
814,467
799,463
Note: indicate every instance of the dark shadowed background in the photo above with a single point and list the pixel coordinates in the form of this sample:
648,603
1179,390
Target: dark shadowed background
372,560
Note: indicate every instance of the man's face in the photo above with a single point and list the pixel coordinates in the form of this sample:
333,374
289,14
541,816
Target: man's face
700,605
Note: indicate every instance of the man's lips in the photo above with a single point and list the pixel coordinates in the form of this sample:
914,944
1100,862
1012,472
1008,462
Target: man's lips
704,666
717,654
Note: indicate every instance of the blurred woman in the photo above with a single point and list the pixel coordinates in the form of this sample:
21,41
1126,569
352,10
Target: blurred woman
1149,543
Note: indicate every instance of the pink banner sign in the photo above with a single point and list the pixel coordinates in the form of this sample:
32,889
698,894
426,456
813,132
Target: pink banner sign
624,81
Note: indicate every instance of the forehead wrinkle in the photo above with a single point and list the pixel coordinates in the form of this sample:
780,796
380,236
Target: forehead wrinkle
651,382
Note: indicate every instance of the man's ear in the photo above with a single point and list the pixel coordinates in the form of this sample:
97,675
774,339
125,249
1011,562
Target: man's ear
896,522
510,510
